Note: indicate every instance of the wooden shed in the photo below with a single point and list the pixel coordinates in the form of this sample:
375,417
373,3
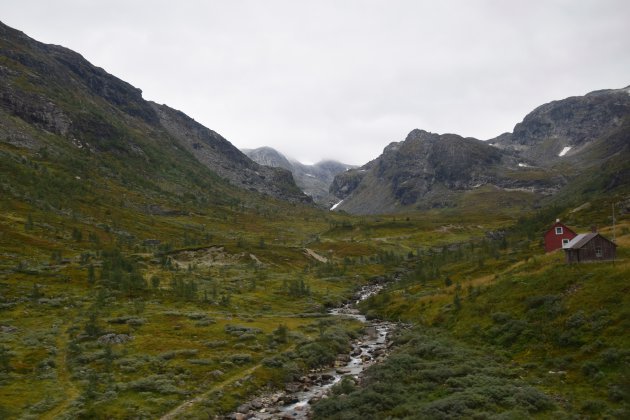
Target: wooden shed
590,247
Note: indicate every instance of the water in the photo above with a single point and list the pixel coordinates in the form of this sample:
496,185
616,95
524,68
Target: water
370,349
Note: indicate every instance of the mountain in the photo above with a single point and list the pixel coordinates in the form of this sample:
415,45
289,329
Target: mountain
52,98
575,145
269,157
573,124
314,180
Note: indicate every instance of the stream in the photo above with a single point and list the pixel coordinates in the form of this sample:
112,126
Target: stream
294,401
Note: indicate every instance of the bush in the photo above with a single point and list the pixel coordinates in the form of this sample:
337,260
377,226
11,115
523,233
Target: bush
160,384
589,369
241,359
345,386
176,353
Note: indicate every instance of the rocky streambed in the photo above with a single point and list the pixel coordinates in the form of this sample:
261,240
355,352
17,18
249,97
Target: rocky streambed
294,402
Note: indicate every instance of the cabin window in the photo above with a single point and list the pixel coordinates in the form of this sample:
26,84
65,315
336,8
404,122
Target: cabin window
559,230
598,251
565,242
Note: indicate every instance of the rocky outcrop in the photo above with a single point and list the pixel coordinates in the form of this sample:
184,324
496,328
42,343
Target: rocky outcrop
269,157
573,123
414,171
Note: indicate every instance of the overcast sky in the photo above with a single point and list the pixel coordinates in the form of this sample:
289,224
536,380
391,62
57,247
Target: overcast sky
341,79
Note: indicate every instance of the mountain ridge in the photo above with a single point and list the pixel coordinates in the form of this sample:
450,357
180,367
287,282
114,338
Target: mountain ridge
55,90
553,145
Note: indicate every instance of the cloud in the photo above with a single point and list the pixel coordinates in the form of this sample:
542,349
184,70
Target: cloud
342,79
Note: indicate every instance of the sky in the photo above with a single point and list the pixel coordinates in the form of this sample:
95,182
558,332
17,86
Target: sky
341,79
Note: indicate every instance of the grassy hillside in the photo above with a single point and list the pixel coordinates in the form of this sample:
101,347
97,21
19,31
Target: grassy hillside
504,306
118,300
122,299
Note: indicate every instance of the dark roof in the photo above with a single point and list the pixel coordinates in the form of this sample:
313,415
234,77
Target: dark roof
582,239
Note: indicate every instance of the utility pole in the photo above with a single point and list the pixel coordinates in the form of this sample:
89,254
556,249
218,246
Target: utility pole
614,236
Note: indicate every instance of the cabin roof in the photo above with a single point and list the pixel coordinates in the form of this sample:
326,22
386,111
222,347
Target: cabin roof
582,239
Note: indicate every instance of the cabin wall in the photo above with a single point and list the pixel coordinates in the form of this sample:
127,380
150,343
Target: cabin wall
553,240
589,251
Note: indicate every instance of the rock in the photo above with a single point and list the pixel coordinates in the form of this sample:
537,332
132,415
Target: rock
290,399
243,408
292,388
114,338
343,358
8,329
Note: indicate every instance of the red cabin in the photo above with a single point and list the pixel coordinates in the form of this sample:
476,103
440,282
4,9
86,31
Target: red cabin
558,236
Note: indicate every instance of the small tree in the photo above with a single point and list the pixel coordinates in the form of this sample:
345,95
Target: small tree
91,275
457,301
91,327
28,225
281,333
5,359
36,292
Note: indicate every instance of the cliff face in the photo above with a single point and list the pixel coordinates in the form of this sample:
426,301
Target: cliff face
409,172
573,123
225,159
50,89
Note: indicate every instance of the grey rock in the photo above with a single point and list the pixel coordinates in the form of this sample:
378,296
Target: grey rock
114,338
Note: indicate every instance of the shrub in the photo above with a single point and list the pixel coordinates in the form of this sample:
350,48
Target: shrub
345,386
589,369
241,359
175,353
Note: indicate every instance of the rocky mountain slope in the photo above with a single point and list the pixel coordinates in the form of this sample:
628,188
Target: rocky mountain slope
571,124
561,146
51,97
314,180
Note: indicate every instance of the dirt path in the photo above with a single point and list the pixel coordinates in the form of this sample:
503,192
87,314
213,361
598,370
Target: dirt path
180,409
315,255
63,376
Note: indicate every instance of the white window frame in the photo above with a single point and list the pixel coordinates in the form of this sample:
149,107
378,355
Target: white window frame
559,230
598,251
565,242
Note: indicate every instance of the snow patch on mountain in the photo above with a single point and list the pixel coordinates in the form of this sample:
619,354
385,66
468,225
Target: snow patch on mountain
564,151
335,206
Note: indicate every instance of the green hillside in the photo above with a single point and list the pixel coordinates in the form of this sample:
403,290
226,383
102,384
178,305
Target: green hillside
496,322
